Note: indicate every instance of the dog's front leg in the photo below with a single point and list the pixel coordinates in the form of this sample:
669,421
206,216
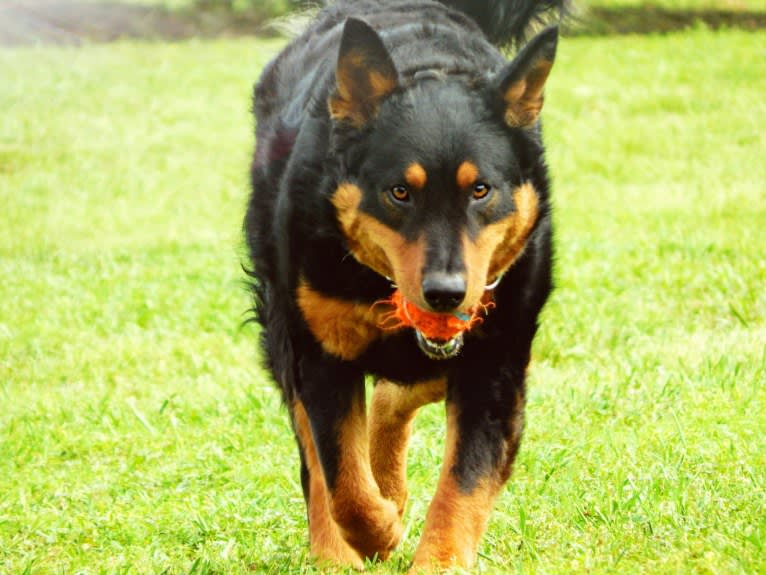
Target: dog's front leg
325,538
484,426
332,394
391,416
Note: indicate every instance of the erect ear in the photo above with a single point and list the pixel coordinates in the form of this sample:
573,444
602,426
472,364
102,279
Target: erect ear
365,74
521,82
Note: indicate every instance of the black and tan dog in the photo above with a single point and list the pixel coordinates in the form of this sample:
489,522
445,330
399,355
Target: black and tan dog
397,150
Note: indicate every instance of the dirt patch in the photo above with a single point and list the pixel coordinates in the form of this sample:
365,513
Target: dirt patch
74,22
25,22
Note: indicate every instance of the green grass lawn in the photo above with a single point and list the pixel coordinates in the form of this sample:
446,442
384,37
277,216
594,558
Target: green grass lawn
736,5
138,433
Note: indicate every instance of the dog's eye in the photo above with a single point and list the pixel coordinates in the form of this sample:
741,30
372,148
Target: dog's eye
400,193
481,191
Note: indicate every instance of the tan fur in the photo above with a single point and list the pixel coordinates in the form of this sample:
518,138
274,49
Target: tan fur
379,247
515,238
368,521
392,413
454,526
415,176
326,542
456,520
343,328
359,90
524,98
360,230
467,174
499,244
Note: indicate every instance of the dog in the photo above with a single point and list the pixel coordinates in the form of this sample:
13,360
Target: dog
399,227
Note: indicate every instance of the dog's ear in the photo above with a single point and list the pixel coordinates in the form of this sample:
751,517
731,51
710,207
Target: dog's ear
365,74
521,83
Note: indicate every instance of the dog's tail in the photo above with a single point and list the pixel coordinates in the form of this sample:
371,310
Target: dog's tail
507,22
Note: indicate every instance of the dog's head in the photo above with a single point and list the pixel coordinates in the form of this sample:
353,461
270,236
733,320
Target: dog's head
432,192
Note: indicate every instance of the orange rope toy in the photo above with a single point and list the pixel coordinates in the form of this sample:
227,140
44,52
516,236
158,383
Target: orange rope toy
434,326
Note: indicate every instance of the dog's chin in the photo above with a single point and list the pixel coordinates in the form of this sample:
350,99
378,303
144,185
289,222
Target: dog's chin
436,349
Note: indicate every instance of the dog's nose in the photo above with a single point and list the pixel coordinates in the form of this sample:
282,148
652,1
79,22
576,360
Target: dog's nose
442,291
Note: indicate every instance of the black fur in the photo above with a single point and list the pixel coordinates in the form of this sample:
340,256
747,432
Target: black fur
442,111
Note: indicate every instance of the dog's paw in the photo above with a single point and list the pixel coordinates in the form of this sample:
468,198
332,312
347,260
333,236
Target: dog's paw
332,550
373,529
432,557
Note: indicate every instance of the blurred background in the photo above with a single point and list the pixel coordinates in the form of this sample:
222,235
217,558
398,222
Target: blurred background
71,21
139,432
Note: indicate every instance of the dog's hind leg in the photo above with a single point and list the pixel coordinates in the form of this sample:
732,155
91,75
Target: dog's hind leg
332,394
392,413
325,539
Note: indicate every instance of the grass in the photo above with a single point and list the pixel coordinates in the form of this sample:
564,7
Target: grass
139,435
736,5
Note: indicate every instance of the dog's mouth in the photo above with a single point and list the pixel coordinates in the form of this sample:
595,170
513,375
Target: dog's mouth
440,336
437,349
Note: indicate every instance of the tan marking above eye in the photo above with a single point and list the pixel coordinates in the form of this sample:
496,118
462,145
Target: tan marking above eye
415,175
467,174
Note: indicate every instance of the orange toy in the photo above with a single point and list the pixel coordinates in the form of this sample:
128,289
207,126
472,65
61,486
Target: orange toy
434,326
